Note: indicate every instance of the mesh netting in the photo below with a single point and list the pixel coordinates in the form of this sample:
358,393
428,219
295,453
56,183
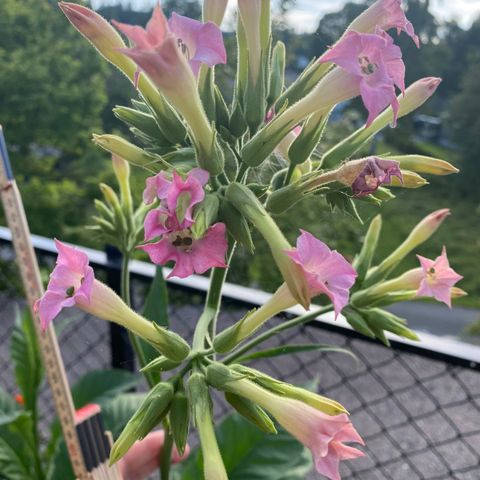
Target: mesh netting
419,417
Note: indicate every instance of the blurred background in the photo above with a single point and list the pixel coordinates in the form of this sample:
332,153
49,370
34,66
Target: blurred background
55,91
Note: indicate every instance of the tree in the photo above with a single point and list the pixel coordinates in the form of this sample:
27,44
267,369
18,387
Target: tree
52,93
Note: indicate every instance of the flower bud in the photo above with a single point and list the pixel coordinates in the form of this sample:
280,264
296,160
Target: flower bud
179,417
150,413
218,375
420,234
277,73
363,260
214,11
251,412
133,154
423,164
415,96
246,202
122,172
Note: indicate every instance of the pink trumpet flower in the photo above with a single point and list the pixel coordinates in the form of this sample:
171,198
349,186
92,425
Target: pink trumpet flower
385,14
375,64
189,254
326,271
438,278
161,44
376,172
323,434
71,282
199,42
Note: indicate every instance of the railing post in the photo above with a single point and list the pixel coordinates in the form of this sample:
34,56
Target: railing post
122,355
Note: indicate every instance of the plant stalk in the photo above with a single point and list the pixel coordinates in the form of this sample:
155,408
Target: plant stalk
273,331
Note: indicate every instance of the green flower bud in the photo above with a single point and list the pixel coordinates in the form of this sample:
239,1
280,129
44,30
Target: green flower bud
277,73
423,164
180,419
364,259
150,413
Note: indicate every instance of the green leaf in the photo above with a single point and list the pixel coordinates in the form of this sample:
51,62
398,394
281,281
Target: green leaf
98,385
250,453
26,358
7,403
155,309
156,303
17,447
295,348
117,412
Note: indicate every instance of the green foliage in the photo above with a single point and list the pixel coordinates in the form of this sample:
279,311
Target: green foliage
254,454
52,92
26,358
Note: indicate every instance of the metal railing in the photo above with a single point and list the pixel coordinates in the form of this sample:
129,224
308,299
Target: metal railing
416,405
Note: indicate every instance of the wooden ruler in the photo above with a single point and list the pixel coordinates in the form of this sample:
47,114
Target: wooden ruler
29,271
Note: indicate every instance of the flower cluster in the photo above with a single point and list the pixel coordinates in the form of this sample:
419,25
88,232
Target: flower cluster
208,187
172,221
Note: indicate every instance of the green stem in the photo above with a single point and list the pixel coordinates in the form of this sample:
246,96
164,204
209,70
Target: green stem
134,340
166,453
212,305
273,331
288,177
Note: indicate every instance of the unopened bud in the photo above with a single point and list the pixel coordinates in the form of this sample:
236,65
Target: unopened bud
170,344
126,150
150,413
423,164
364,259
179,417
214,11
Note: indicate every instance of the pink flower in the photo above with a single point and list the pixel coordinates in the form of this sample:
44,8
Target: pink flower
70,282
162,43
375,63
199,42
377,172
326,271
438,278
189,192
323,434
385,14
160,221
189,254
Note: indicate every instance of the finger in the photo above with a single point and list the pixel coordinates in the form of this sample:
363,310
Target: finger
143,457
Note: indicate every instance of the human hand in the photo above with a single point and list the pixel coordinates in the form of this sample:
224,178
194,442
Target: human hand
143,458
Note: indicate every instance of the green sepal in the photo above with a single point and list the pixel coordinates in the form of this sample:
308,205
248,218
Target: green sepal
236,224
179,417
252,412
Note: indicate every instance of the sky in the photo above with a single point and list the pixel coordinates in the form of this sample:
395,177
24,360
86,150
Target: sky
305,15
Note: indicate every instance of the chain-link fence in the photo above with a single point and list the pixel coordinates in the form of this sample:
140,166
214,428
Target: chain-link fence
418,411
